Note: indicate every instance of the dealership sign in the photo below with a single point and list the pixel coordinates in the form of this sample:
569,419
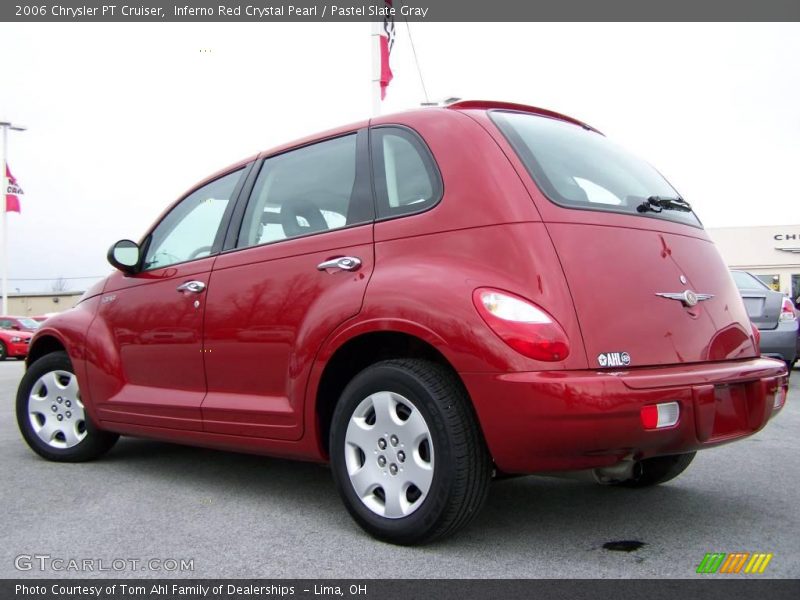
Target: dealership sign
787,237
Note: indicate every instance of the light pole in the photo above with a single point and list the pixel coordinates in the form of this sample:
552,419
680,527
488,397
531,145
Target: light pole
5,125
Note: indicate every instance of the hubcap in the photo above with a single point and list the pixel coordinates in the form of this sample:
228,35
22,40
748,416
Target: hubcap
55,410
389,454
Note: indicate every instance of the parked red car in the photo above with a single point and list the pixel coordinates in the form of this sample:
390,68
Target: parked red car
14,344
19,323
423,300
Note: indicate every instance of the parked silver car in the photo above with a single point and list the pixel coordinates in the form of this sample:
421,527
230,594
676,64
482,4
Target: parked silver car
773,314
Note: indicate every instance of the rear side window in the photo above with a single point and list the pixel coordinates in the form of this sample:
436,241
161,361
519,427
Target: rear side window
406,178
305,191
579,168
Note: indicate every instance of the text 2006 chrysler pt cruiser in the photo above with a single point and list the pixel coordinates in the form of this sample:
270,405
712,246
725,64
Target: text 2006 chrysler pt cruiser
424,299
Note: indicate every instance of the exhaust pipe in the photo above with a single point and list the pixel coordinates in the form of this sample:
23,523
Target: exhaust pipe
622,471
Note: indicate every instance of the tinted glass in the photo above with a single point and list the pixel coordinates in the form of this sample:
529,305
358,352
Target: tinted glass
406,178
188,231
305,191
580,168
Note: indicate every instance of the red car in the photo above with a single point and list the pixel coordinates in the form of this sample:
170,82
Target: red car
19,323
14,344
424,300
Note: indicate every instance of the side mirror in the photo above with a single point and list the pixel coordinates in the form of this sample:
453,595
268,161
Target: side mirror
124,255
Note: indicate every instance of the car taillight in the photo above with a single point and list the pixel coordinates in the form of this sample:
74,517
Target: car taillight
787,310
522,325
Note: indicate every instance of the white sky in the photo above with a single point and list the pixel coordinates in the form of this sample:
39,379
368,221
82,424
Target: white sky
123,118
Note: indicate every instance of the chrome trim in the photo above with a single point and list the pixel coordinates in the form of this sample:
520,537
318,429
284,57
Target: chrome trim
345,263
195,287
687,297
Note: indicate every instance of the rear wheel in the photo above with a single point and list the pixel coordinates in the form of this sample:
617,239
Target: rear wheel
659,469
51,415
408,458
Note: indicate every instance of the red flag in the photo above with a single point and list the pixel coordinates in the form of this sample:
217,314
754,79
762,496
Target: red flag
12,192
387,41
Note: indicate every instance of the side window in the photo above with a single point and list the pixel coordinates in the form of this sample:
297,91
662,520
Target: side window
6,324
309,190
406,178
189,229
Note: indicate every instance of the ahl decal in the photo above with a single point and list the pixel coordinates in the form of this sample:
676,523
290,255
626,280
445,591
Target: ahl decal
614,359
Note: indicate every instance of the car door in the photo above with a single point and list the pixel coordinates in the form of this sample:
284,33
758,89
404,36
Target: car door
145,346
297,267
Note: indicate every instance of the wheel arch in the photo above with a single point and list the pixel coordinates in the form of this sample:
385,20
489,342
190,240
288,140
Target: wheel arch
348,355
44,344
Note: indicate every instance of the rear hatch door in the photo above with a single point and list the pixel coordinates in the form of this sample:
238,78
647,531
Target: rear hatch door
649,286
638,294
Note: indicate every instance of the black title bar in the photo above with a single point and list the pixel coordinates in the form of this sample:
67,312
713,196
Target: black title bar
707,588
411,10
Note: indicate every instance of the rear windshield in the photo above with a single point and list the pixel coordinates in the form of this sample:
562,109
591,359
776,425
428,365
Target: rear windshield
580,168
745,281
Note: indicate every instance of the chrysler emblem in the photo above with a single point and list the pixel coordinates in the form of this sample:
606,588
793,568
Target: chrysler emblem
687,298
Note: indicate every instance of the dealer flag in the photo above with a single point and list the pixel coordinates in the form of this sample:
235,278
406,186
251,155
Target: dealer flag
387,41
13,192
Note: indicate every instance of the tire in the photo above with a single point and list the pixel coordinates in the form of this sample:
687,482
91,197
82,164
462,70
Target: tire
3,351
659,469
51,417
404,433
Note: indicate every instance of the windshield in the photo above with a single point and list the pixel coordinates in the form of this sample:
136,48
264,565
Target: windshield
29,323
580,168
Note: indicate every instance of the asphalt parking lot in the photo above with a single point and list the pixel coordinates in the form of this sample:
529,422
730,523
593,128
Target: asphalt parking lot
241,516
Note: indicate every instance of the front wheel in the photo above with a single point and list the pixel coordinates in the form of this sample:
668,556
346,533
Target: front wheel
51,415
407,455
659,469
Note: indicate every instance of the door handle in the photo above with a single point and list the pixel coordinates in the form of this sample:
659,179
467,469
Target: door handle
345,263
194,287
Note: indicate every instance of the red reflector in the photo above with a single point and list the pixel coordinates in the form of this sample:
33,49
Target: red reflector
659,416
650,416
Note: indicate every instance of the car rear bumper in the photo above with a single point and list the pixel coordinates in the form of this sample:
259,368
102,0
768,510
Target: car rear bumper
563,420
781,342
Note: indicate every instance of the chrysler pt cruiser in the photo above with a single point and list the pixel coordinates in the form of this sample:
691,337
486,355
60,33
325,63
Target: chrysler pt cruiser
424,300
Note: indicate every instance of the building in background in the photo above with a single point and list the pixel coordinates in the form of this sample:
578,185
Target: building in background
771,253
41,303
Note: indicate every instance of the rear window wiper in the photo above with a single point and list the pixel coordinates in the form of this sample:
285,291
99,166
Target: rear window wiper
658,203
